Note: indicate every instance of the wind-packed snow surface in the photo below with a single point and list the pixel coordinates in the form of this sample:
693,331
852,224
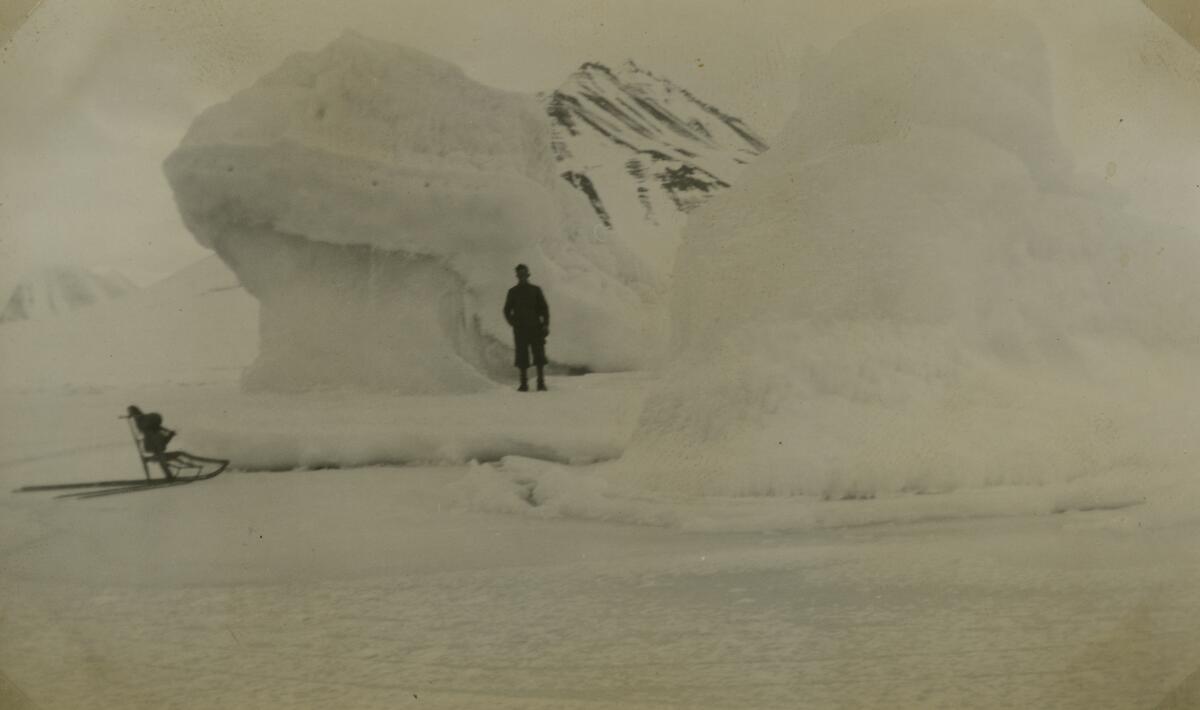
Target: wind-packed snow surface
912,292
375,200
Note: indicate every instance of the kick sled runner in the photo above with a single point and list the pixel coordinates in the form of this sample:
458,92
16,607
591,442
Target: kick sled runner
150,438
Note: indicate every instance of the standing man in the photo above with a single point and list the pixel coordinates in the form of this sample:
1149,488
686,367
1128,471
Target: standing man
526,311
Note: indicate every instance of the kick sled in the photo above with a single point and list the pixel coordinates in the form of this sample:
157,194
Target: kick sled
178,467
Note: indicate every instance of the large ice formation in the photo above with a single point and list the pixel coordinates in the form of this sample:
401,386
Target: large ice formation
912,291
375,200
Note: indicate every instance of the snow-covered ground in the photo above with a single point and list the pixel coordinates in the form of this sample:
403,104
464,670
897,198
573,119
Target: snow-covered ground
527,584
371,588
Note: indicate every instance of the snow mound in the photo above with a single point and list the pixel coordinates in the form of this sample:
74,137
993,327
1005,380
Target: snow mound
56,290
912,292
375,200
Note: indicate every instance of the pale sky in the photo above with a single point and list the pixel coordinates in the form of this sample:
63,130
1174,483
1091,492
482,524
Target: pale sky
96,93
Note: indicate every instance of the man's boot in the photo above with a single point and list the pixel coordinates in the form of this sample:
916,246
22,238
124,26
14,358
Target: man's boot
541,382
524,382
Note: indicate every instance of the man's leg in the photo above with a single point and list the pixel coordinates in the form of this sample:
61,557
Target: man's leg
522,361
539,359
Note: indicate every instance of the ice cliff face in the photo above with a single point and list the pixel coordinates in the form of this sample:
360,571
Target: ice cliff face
911,291
375,200
54,291
642,150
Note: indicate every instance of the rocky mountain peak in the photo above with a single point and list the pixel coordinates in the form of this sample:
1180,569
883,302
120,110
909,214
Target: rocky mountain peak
634,141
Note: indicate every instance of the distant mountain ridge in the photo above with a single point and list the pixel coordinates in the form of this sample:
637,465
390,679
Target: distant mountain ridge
641,148
55,290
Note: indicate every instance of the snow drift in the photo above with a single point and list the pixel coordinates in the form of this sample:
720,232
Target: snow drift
375,200
912,292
